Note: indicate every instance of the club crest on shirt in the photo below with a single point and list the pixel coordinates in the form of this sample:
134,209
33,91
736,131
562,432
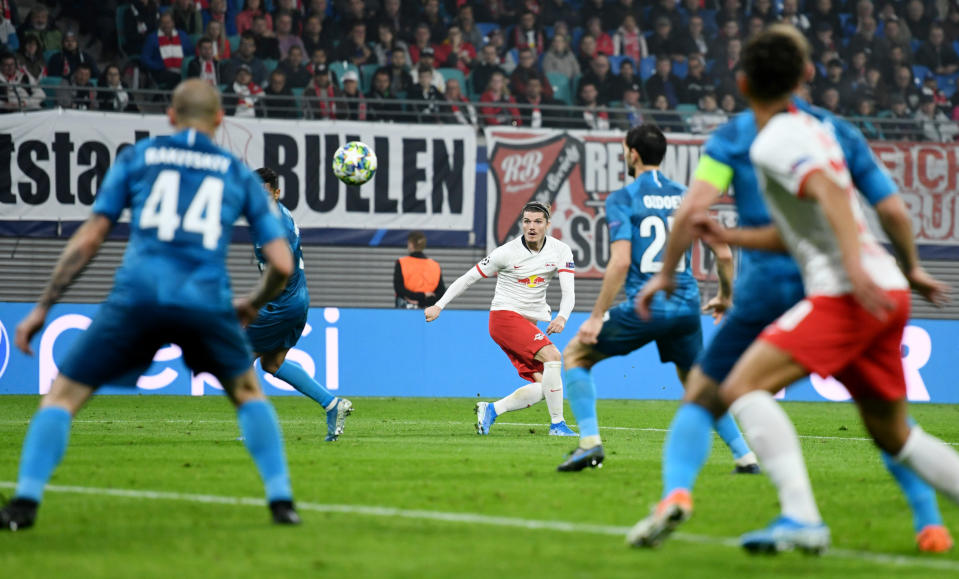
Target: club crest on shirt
539,336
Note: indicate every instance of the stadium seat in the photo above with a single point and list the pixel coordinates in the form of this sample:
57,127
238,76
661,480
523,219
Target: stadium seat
486,27
955,46
234,43
269,64
709,22
340,67
686,110
548,32
575,37
48,53
121,32
846,29
647,67
574,88
616,60
300,106
366,77
560,84
456,73
681,68
920,73
186,65
914,45
947,83
50,85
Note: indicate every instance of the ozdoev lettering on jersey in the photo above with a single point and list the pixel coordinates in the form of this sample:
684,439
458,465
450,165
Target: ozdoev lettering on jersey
33,159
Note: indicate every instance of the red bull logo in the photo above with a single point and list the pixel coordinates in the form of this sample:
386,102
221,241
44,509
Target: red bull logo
532,281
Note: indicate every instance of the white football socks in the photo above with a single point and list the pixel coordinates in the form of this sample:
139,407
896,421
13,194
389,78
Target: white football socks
553,389
522,397
773,438
932,460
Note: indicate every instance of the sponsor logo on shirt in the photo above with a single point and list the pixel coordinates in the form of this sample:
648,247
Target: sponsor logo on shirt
532,281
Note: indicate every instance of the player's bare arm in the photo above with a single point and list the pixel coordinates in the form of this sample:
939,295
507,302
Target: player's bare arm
897,224
766,238
620,253
698,199
723,299
566,283
280,268
459,286
837,209
76,255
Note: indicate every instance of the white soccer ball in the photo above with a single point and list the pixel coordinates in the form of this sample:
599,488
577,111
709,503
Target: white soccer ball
354,163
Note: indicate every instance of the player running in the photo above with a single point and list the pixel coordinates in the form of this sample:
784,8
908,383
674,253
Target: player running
769,284
639,217
184,193
852,321
280,324
524,268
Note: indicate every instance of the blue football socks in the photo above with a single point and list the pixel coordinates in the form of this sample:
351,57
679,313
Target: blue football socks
581,393
43,448
687,447
728,430
262,437
296,376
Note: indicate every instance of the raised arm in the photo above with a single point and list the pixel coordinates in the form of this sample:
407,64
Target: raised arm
459,286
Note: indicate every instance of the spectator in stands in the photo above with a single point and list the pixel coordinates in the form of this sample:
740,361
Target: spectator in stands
163,53
285,36
528,34
10,12
456,109
113,95
498,107
615,13
764,9
417,279
435,19
66,61
350,11
392,14
353,105
241,96
426,95
861,10
629,40
315,35
354,48
665,118
731,10
560,59
936,55
950,24
933,124
864,119
593,116
664,9
421,41
381,103
632,114
267,45
526,71
791,15
19,90
38,24
401,79
662,42
222,12
708,117
30,57
727,64
467,24
665,83
221,44
554,11
866,39
251,9
8,35
894,34
904,86
587,51
899,124
428,60
695,39
205,66
823,15
387,41
141,20
873,87
78,92
829,100
698,82
496,11
591,9
534,98
320,57
627,73
896,57
488,64
833,80
498,40
320,8
278,101
455,52
931,85
602,77
918,21
321,94
246,55
754,25
187,16
729,103
294,68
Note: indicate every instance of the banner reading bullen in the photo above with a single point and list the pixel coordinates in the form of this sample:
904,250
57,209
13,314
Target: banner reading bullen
52,162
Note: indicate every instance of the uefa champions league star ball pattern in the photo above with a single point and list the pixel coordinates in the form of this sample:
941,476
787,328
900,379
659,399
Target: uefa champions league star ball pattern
354,163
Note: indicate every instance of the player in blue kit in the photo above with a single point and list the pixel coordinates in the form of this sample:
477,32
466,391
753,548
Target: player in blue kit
184,193
639,217
280,323
768,285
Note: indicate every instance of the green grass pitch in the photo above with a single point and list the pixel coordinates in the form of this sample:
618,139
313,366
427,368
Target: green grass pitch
398,496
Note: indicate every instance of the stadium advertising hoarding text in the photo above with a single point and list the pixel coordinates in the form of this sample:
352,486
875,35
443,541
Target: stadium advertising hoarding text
337,350
52,162
576,171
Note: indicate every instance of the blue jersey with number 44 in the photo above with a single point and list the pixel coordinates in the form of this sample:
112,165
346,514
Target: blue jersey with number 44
185,193
642,213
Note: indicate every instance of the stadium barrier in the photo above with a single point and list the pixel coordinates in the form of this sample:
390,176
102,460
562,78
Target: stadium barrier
365,352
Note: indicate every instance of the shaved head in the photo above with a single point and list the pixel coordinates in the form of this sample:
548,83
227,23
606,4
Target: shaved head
196,104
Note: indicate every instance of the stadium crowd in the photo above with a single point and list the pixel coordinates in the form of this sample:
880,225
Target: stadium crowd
891,64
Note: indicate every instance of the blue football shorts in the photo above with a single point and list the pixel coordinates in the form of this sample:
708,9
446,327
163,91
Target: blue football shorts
679,338
122,339
278,327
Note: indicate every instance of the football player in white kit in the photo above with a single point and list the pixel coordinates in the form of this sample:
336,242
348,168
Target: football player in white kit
524,268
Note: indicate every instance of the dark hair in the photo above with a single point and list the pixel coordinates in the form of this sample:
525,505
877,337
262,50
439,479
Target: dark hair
537,207
418,239
204,40
269,177
649,143
774,61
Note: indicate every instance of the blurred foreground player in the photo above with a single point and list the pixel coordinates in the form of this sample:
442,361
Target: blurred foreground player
523,268
280,323
185,194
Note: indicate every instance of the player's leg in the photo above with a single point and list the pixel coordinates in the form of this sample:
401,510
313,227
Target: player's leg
581,393
337,409
521,398
552,385
43,449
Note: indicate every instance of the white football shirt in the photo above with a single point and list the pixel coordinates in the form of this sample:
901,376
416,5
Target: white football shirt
791,147
523,276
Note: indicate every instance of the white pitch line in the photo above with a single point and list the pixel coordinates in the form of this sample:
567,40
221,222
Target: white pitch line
480,519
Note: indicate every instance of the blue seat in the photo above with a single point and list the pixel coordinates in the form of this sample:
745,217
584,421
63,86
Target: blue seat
947,83
50,86
576,34
560,84
709,22
121,29
340,67
366,76
845,25
486,27
914,45
456,73
681,68
185,65
920,73
616,60
234,43
647,67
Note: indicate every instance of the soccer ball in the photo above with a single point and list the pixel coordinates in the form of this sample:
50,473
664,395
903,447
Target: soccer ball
354,163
